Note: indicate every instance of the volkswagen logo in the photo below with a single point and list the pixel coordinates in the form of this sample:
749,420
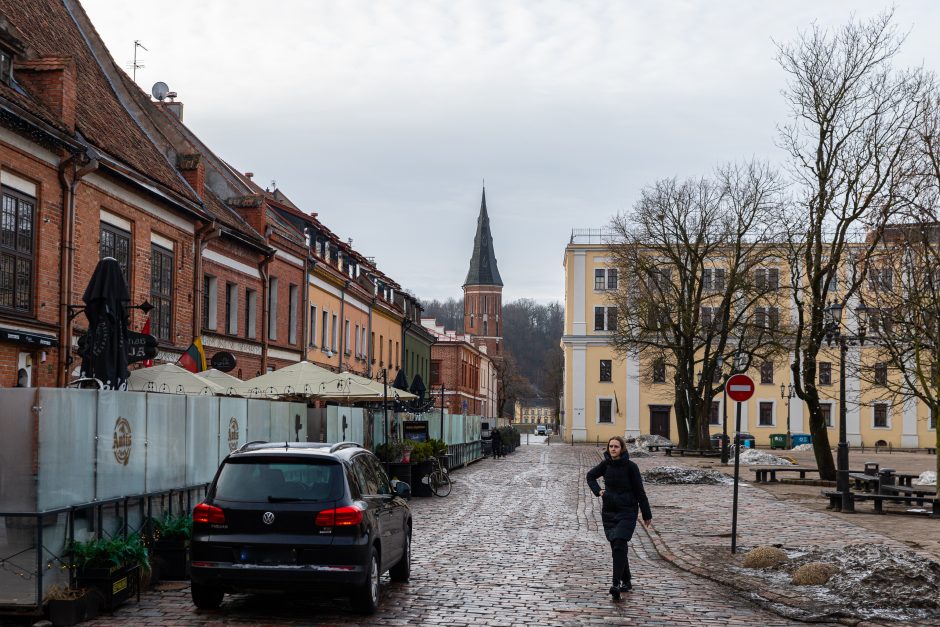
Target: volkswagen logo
268,518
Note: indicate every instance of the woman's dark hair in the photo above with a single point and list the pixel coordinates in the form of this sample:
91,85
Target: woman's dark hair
623,443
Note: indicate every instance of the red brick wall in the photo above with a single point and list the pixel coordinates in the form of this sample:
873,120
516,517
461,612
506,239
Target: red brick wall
452,355
52,81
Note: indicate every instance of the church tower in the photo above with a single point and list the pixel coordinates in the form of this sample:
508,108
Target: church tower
483,290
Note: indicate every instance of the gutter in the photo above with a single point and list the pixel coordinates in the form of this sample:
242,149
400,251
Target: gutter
67,258
263,268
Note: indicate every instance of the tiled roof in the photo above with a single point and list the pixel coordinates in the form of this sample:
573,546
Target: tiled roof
60,28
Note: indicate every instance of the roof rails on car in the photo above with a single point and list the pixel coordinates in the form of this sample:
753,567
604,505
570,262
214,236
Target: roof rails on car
341,445
260,444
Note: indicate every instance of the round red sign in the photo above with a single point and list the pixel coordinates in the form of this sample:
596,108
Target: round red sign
740,387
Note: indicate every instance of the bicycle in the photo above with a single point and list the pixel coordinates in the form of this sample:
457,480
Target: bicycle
439,479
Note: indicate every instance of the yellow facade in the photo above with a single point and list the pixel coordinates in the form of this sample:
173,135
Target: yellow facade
386,337
602,400
525,412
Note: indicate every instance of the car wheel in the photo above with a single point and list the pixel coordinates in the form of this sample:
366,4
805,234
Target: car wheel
366,598
401,572
206,597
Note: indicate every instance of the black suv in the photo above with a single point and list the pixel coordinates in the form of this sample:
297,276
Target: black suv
286,516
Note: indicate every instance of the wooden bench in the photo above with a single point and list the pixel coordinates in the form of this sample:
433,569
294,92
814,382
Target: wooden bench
768,474
669,450
865,481
835,501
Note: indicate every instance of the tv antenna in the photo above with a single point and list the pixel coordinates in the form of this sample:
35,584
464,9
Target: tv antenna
135,64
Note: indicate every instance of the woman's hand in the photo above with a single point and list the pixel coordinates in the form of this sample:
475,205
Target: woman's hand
648,523
602,493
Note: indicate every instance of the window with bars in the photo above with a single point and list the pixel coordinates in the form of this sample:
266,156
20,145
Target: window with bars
824,369
606,371
767,373
161,293
881,415
17,254
766,415
116,242
605,407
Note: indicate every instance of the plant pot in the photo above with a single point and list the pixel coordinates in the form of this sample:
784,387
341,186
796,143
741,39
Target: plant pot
419,473
171,559
113,586
400,471
68,611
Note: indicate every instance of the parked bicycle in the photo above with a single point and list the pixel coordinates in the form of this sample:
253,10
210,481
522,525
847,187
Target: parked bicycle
439,479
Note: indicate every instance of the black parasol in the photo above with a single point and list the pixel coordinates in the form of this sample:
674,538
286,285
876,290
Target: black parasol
401,381
417,387
104,347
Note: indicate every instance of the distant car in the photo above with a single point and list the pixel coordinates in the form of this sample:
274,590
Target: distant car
540,430
297,517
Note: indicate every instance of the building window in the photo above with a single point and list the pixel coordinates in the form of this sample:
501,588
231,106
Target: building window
372,346
605,410
358,343
605,370
6,66
881,373
825,372
605,318
599,279
17,216
334,331
231,308
880,321
161,293
826,410
713,279
293,306
210,303
115,243
312,327
272,308
659,371
435,372
711,319
767,317
767,373
714,418
347,348
767,278
612,278
766,418
881,415
881,278
324,331
833,282
251,309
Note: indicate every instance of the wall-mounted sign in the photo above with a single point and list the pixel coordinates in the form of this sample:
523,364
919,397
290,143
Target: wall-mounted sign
122,440
415,430
27,338
223,361
140,346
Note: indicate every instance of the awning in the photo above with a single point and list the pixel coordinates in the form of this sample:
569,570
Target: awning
171,379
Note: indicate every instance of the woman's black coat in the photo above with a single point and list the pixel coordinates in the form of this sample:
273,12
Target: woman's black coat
624,495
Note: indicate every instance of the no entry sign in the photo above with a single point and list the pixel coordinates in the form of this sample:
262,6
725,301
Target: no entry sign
740,387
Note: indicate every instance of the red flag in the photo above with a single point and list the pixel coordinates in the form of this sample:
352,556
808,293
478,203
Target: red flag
146,331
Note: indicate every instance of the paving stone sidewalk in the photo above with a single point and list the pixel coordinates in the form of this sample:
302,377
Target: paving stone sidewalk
693,524
518,542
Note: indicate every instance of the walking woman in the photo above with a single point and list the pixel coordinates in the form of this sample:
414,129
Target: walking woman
623,498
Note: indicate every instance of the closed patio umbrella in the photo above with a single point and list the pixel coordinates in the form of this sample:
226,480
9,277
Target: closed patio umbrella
104,348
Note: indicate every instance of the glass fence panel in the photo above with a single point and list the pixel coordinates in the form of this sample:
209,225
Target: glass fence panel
259,420
121,450
202,438
66,447
282,429
54,559
233,425
166,442
17,487
297,416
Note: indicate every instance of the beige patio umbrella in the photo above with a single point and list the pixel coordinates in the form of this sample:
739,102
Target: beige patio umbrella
302,379
229,383
171,379
378,388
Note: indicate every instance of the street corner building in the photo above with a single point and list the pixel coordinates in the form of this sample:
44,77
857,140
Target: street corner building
606,394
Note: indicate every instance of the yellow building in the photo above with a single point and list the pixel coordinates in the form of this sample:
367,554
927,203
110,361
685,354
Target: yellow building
534,411
605,395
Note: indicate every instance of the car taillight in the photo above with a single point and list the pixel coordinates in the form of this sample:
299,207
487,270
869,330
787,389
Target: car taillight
208,514
340,517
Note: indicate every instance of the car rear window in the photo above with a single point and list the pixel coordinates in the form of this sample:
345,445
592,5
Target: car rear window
272,480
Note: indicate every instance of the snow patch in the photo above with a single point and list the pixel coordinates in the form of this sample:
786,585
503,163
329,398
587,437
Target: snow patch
754,457
684,475
928,477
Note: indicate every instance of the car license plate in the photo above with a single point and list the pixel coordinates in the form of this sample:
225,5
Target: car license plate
268,555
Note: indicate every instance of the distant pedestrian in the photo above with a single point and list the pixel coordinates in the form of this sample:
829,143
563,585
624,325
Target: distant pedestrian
497,444
623,498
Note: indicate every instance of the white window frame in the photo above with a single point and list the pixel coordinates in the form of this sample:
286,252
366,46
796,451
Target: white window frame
324,331
252,322
773,414
231,295
334,333
312,334
832,413
212,319
597,410
293,304
606,309
346,338
888,420
272,308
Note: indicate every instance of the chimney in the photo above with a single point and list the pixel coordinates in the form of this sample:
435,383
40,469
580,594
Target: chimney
194,171
51,80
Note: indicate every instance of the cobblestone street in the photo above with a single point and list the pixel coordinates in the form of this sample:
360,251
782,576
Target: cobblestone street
518,541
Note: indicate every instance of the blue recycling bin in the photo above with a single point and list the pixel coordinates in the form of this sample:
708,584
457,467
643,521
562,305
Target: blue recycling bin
800,438
748,440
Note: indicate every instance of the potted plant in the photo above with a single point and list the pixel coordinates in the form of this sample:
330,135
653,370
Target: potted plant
170,545
112,567
390,454
421,467
439,450
69,606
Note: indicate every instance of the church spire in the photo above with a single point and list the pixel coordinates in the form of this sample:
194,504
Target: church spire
483,270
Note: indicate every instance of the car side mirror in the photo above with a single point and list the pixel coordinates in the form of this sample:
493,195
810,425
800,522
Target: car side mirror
402,489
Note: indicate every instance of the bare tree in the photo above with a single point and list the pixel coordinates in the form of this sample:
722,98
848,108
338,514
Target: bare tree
849,138
699,291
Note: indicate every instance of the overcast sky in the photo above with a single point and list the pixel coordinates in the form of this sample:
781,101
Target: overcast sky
385,116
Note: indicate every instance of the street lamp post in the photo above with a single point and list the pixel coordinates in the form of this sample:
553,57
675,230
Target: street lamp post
788,393
834,334
724,422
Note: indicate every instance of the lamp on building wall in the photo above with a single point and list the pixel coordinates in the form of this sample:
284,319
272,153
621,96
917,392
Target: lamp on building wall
834,335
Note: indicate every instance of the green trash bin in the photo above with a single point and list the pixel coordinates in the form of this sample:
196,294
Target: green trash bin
778,440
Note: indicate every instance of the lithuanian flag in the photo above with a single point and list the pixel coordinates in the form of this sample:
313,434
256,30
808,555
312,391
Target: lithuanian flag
194,359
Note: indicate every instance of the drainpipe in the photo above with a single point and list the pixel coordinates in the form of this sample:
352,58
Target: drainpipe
342,321
309,265
67,259
203,236
371,356
263,267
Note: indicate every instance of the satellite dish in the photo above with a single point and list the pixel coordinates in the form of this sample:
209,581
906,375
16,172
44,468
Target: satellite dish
160,90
